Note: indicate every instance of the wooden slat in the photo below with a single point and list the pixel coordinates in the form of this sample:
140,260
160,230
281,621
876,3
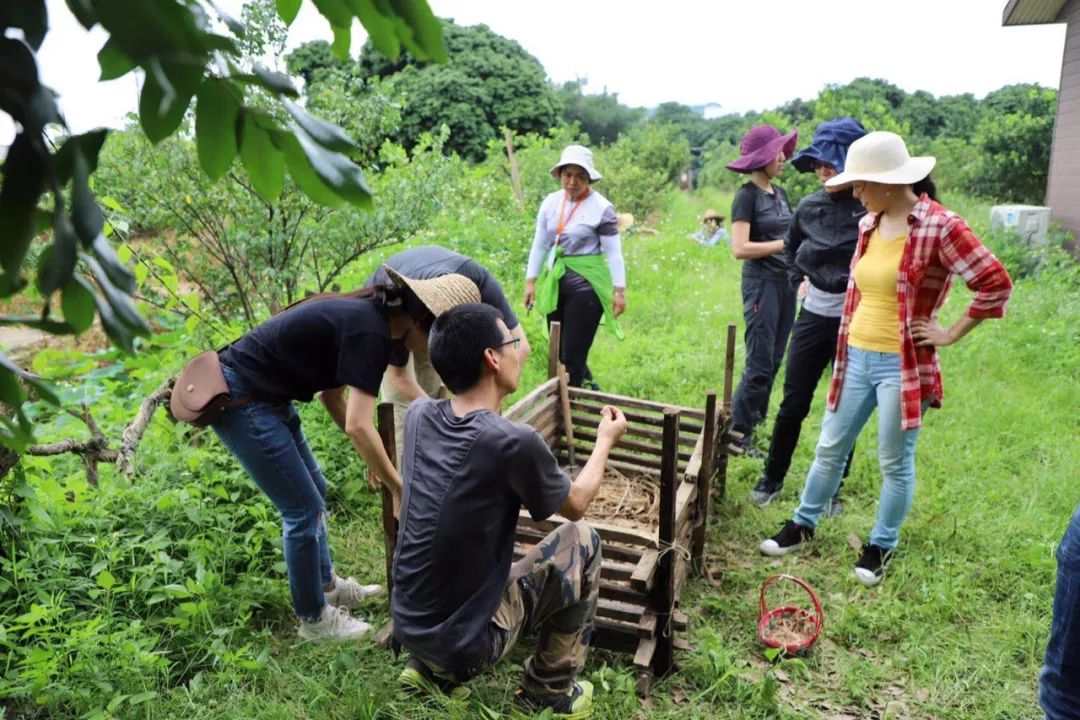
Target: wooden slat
621,593
615,533
612,399
554,341
584,423
515,411
647,448
684,502
644,654
647,625
693,467
609,569
613,637
593,410
616,551
642,577
615,610
665,588
540,413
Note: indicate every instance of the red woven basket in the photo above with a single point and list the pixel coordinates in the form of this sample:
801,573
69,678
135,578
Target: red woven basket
790,627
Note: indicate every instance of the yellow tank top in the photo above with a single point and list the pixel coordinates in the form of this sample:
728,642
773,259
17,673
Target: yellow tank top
876,323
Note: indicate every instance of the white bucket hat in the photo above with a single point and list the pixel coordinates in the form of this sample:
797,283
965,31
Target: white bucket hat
882,157
576,155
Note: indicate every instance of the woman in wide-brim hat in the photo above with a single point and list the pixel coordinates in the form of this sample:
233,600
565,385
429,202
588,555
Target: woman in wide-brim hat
818,248
760,215
576,274
909,249
321,346
712,230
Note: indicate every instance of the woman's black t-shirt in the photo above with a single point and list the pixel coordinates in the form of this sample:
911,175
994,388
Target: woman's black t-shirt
313,346
769,217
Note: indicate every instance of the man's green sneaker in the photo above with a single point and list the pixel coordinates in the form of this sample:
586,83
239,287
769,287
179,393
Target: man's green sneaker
574,705
418,679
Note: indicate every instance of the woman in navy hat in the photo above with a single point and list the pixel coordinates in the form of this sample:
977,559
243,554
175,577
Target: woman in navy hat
760,216
818,248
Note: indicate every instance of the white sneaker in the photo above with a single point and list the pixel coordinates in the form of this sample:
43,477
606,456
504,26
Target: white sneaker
334,625
349,593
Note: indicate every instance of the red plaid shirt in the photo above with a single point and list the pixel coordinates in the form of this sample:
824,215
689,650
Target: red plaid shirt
939,245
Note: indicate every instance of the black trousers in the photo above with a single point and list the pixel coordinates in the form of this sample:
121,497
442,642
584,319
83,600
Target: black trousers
769,311
813,347
579,311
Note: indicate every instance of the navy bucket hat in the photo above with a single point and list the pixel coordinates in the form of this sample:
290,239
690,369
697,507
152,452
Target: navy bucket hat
831,141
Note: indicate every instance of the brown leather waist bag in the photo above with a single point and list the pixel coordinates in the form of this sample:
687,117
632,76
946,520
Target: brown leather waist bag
200,393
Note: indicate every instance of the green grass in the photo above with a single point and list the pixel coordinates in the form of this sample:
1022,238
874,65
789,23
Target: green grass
957,630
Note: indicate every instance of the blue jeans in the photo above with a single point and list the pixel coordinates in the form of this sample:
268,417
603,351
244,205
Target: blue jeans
266,438
1059,683
872,380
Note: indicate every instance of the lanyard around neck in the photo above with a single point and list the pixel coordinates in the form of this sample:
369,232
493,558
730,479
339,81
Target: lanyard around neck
562,224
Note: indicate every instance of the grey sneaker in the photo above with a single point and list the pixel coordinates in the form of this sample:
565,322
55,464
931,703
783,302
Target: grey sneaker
334,625
764,492
349,593
834,508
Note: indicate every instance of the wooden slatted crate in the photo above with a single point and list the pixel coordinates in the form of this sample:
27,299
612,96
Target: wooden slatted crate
643,571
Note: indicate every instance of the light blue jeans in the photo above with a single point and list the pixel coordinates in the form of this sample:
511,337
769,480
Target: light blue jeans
267,440
872,380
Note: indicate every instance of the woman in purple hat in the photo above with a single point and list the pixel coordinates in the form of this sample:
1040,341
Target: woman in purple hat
818,247
760,216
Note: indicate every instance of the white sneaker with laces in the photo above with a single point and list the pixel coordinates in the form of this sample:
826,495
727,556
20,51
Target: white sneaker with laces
335,624
349,593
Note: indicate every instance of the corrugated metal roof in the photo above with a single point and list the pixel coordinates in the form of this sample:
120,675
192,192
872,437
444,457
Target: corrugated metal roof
1031,12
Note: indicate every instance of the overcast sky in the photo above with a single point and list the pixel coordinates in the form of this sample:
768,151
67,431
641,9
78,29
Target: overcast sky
742,55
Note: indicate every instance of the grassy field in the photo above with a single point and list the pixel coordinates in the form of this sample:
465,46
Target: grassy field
958,628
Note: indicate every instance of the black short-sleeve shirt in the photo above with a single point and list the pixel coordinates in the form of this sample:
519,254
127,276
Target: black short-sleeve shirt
314,346
769,217
465,481
425,262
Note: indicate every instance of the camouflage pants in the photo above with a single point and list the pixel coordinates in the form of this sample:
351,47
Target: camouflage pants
552,593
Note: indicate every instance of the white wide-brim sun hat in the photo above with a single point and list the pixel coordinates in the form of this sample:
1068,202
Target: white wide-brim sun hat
576,155
882,157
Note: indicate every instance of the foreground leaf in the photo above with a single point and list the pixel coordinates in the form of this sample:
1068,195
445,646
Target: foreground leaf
264,163
216,112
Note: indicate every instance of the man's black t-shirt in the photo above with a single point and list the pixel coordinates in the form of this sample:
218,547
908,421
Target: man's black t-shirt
769,217
313,346
425,262
465,481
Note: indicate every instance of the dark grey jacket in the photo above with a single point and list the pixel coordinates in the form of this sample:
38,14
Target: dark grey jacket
822,239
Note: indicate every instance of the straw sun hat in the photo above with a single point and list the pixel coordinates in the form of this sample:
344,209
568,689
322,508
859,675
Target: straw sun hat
882,157
441,293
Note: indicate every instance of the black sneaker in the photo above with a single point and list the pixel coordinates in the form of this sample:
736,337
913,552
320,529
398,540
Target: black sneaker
574,705
764,492
789,537
870,568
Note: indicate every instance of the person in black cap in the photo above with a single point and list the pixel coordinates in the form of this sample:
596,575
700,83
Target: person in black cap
819,246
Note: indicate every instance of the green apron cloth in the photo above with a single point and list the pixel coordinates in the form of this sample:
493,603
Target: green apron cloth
594,269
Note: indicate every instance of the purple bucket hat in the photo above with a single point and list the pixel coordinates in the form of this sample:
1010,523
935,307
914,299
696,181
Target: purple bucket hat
760,146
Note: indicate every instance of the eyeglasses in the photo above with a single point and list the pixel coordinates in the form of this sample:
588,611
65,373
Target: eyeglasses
516,342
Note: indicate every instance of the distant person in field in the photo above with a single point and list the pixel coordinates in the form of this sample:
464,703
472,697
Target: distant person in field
760,216
576,274
1059,682
459,603
909,249
410,374
818,248
712,229
321,346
